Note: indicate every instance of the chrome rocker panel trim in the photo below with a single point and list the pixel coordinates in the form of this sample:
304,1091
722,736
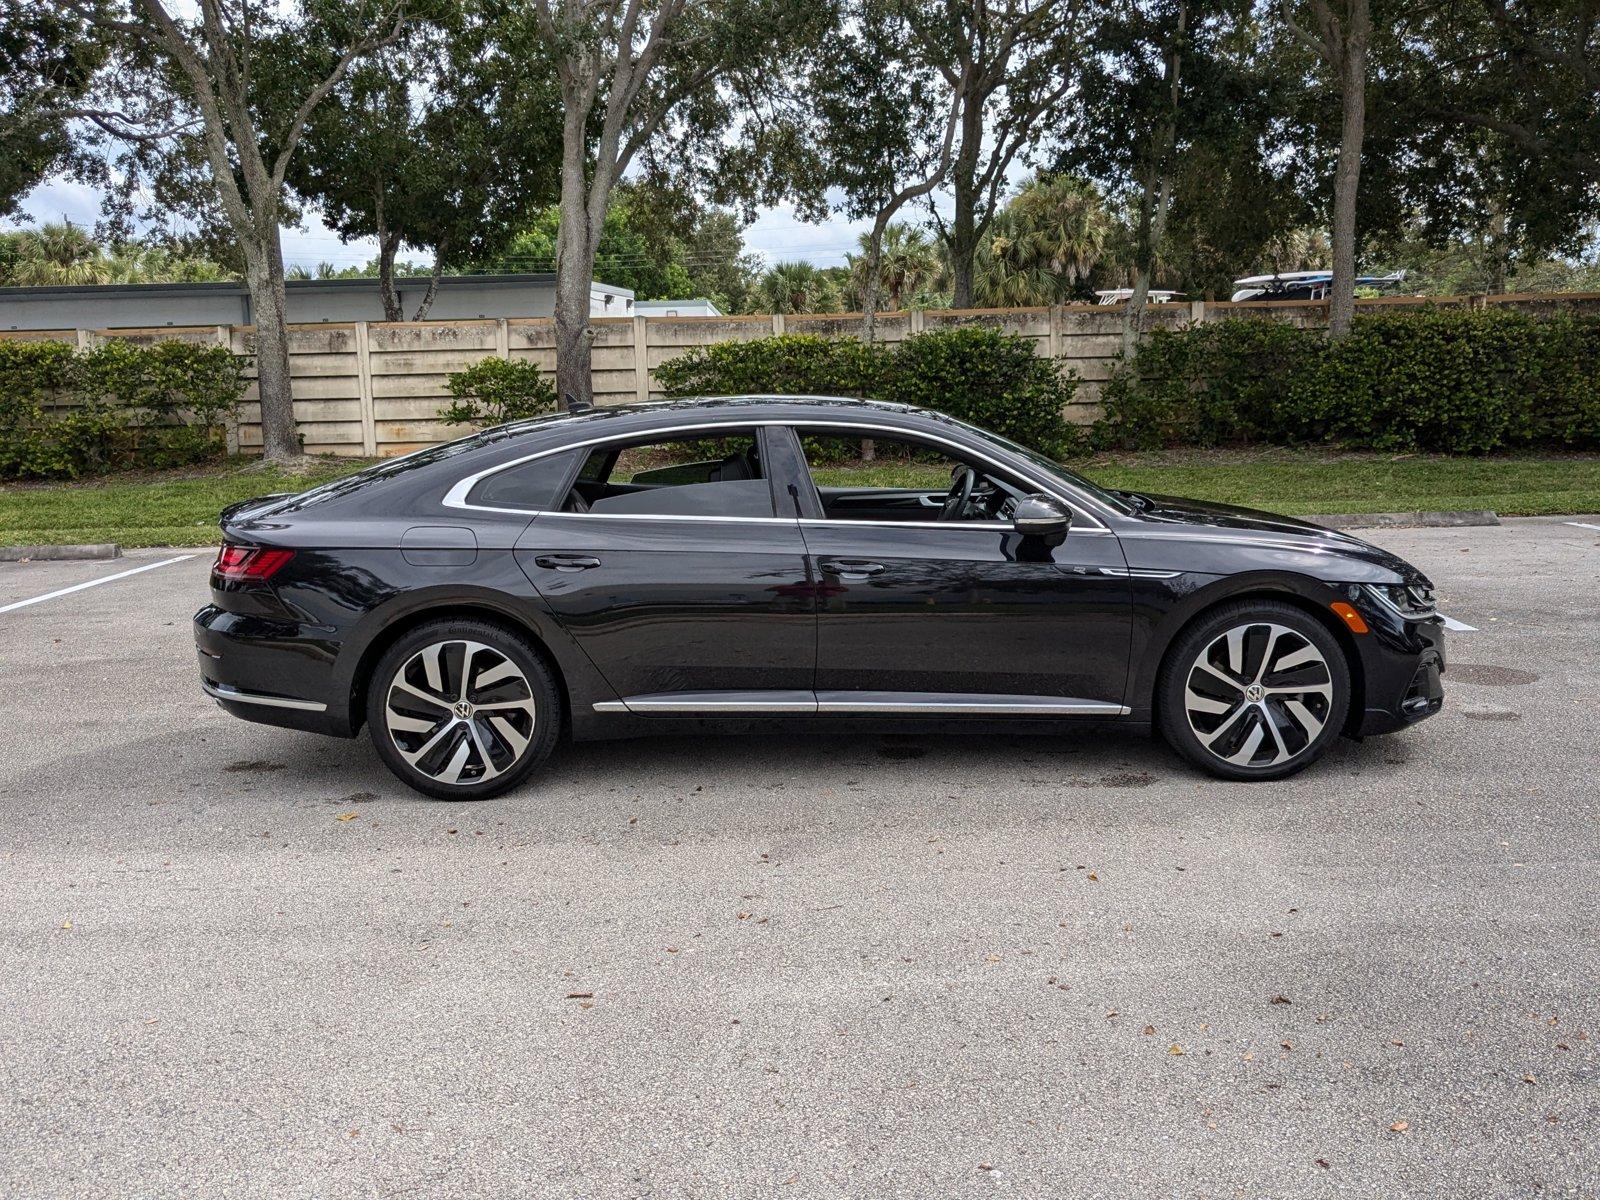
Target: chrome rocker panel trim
823,702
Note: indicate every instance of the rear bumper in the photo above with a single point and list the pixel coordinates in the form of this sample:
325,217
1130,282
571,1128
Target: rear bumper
1403,664
274,672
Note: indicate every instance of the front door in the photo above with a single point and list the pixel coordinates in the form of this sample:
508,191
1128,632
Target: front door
918,613
671,570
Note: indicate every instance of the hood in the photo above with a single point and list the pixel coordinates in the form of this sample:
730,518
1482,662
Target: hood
1171,516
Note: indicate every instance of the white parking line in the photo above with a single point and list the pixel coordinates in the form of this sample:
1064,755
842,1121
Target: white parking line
1581,524
78,587
1458,626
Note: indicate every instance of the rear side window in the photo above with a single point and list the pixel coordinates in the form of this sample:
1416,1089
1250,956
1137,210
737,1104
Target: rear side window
534,486
717,475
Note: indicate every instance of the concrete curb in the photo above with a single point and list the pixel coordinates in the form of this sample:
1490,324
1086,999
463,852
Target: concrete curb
1407,520
58,553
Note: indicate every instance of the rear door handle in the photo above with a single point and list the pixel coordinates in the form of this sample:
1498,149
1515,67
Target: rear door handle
566,562
846,567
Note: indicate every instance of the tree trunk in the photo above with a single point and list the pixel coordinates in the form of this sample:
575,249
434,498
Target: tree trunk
1153,208
1347,175
575,253
388,244
577,243
1153,224
1495,282
433,284
963,239
280,440
1140,281
963,243
870,283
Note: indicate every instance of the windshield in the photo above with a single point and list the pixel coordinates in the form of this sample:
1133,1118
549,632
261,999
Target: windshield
1049,467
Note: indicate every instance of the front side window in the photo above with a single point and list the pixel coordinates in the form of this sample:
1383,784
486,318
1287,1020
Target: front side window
720,475
1048,467
900,478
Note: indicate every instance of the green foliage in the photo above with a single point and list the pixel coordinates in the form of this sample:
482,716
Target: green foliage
660,246
794,364
497,390
1042,246
1204,384
981,375
59,253
1454,381
992,379
68,413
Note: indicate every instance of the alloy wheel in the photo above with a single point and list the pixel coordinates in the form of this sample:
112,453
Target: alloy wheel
460,712
1258,695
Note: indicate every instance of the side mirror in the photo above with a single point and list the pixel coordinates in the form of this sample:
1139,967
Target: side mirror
1042,517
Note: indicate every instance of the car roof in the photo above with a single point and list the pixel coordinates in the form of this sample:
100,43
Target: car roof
764,404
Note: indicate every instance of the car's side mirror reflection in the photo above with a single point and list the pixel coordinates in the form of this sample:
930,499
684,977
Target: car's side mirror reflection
1042,517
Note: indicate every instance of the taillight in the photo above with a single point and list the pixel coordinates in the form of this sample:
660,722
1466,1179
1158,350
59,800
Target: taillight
249,562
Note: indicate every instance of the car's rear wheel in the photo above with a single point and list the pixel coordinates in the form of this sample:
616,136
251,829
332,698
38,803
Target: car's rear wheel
462,710
1254,690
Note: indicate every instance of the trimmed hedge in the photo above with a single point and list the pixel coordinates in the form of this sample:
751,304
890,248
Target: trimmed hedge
1452,381
65,413
498,390
977,374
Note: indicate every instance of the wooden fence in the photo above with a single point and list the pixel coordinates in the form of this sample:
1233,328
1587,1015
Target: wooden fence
376,388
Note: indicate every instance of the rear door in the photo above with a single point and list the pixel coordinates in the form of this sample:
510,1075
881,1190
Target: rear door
685,588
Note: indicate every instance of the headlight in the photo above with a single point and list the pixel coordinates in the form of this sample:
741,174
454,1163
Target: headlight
1412,601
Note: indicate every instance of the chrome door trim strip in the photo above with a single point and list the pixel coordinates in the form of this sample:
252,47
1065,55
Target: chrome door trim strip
221,691
844,701
757,701
456,497
964,703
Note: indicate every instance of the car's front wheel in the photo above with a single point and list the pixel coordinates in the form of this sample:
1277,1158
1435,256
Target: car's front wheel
462,710
1254,690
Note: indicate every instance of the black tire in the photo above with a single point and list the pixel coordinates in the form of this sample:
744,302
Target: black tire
1284,680
488,735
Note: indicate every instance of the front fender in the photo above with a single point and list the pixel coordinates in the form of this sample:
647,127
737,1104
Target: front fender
1162,607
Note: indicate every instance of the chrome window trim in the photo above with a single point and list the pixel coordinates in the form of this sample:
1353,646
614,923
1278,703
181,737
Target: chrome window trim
552,515
456,497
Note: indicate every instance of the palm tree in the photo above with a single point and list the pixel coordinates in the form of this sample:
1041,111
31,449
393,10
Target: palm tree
907,264
797,287
58,253
1043,243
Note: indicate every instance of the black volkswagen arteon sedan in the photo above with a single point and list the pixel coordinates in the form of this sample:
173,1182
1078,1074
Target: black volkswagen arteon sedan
695,564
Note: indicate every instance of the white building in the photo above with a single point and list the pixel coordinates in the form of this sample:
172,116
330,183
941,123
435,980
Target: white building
676,308
148,305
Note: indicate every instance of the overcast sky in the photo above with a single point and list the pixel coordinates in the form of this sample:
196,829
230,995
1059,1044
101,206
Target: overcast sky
776,235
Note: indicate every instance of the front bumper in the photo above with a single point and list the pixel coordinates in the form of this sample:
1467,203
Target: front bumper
271,671
1402,665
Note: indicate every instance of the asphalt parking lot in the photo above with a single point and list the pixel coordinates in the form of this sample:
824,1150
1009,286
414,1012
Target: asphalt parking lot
240,961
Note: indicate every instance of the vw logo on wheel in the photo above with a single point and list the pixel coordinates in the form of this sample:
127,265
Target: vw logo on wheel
463,711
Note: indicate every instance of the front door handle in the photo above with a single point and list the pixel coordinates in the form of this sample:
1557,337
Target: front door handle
566,562
851,567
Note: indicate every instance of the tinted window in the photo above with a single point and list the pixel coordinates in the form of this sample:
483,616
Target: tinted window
536,486
731,498
720,475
